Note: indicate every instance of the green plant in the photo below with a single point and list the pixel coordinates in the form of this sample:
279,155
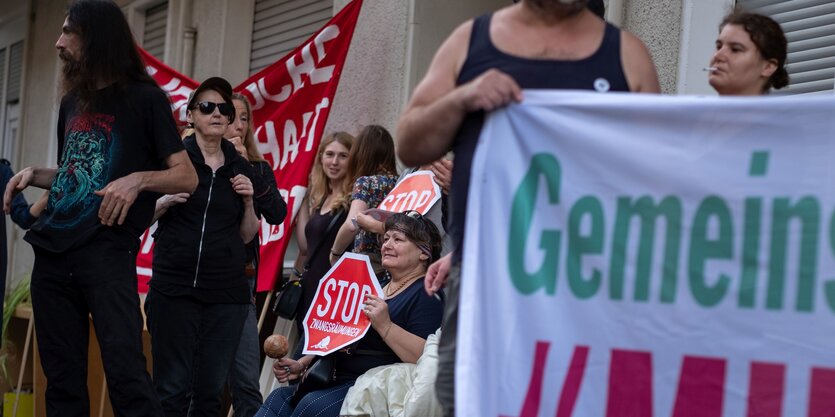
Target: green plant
18,296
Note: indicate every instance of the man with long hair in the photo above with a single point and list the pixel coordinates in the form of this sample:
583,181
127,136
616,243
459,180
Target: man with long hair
118,148
484,65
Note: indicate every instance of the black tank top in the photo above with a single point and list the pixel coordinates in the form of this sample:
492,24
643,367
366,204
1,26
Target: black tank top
602,71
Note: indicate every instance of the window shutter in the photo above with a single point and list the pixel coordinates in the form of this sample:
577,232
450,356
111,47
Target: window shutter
15,72
153,39
280,26
810,29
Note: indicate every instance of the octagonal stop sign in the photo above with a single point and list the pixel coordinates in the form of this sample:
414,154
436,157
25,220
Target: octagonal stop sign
335,318
417,191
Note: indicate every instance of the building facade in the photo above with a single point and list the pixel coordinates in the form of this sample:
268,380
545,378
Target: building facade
392,47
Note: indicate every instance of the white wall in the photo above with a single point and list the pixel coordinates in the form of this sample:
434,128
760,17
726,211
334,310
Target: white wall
658,25
700,26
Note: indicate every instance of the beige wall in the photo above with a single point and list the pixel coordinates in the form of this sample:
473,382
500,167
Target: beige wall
658,24
392,47
699,28
39,104
222,32
224,29
372,80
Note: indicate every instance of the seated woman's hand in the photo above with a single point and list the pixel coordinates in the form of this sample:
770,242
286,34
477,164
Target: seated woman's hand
286,369
369,223
377,311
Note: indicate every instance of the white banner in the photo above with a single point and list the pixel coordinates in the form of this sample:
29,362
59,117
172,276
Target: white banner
650,256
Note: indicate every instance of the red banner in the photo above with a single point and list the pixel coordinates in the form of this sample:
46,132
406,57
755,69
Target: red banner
291,100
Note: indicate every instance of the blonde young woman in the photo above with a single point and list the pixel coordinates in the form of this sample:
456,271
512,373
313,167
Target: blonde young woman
325,207
243,377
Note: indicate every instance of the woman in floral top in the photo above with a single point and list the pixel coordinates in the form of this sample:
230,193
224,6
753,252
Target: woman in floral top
373,168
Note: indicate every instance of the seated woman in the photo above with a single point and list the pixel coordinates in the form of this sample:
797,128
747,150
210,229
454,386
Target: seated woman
750,57
400,322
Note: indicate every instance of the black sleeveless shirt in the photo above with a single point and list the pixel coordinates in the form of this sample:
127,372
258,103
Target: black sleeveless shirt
602,71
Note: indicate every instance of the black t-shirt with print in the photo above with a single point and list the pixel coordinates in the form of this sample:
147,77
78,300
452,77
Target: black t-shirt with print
130,129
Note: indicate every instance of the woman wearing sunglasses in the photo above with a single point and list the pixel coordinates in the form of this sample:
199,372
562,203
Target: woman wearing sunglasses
400,323
199,295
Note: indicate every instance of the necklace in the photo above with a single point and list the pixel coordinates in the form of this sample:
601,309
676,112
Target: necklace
402,284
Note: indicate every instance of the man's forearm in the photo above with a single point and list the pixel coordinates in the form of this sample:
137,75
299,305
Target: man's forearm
179,178
42,177
425,133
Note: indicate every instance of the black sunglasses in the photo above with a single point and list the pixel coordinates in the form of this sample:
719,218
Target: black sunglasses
207,107
414,214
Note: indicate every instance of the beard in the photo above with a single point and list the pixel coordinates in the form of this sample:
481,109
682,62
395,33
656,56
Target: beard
558,8
71,70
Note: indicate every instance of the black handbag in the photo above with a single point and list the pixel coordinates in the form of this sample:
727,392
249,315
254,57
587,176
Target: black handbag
288,299
320,375
290,295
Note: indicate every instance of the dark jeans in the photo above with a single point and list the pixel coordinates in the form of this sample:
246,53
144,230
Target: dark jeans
193,344
322,403
445,382
246,368
99,280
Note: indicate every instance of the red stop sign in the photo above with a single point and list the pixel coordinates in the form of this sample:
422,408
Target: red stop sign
335,319
417,191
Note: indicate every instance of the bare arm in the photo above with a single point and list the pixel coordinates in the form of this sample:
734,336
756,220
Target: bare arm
638,65
437,274
301,238
119,195
29,176
167,201
369,224
347,231
442,169
249,223
407,346
427,126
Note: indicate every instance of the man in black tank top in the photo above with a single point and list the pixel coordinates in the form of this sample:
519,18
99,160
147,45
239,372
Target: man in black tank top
484,65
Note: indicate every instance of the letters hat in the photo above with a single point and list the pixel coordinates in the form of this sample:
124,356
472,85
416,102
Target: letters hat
215,84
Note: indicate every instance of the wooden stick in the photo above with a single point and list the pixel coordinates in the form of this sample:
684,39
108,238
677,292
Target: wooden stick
26,344
103,395
264,310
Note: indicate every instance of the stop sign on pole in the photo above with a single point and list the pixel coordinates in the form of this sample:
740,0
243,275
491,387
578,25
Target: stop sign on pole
417,191
335,318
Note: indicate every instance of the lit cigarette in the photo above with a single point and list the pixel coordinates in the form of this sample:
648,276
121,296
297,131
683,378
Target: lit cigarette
709,69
